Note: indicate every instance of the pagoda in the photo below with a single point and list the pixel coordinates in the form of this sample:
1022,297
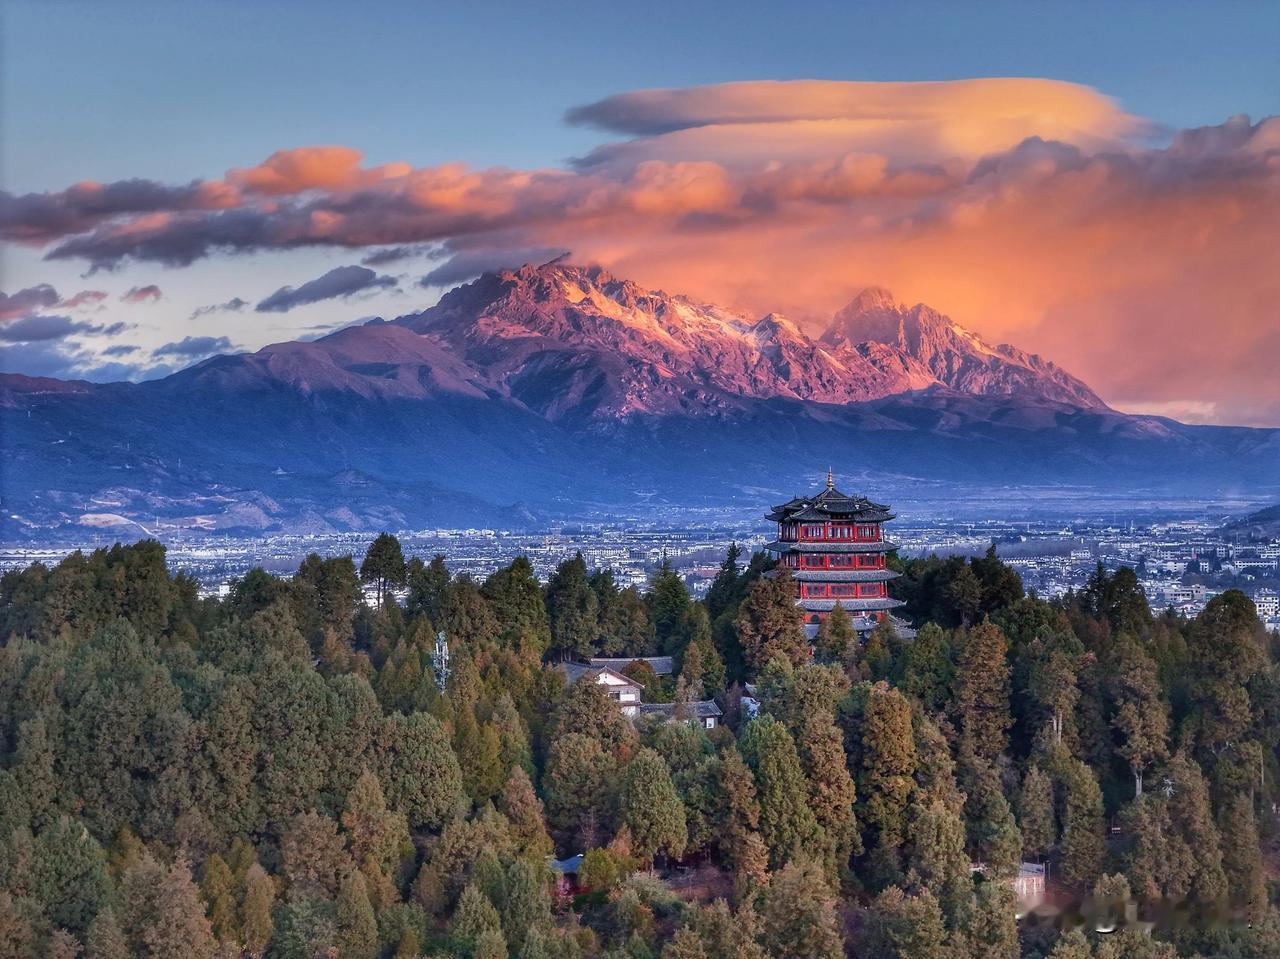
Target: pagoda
834,548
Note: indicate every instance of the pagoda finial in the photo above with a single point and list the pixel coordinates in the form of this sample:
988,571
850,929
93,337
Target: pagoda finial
831,482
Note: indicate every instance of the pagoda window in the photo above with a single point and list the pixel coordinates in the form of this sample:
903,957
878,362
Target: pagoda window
813,532
842,559
841,532
868,531
842,589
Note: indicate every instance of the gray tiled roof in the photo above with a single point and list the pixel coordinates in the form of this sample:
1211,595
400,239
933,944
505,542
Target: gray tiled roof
704,709
661,665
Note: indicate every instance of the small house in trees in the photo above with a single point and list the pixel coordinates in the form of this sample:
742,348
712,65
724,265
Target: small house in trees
620,687
704,713
661,665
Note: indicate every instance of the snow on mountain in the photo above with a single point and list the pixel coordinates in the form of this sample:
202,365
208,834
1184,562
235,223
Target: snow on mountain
616,349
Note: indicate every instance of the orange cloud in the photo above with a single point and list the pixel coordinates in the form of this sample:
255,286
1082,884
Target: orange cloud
1034,211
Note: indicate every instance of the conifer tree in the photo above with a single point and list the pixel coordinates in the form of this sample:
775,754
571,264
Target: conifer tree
474,916
1140,715
981,695
837,641
1194,840
357,927
926,669
573,610
770,624
62,945
885,783
521,805
669,606
384,564
313,857
164,918
725,935
217,888
1242,856
256,905
490,944
905,927
723,590
105,939
1035,813
1072,945
991,931
650,807
527,905
428,588
423,780
876,661
372,829
68,874
741,843
1082,825
576,786
787,824
994,839
831,790
936,858
799,914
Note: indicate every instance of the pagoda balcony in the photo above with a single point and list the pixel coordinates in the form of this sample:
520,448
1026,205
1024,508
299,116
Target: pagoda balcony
805,575
830,546
850,604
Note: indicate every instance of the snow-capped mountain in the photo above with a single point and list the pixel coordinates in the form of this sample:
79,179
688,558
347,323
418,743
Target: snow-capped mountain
559,336
563,389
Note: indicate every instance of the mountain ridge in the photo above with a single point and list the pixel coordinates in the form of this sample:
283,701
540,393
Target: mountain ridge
560,390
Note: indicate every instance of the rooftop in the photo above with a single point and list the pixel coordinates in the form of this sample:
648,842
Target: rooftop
830,503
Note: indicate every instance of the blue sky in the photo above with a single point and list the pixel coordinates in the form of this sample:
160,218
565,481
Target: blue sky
106,90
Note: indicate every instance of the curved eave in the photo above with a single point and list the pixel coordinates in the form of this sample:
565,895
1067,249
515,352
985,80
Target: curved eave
850,604
843,575
822,514
811,546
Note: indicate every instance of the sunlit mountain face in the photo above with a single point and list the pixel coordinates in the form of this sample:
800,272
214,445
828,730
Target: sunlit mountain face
538,390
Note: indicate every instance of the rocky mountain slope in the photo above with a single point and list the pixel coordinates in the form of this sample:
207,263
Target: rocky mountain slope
562,391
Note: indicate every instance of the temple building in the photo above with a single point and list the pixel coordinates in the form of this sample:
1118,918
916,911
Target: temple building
835,550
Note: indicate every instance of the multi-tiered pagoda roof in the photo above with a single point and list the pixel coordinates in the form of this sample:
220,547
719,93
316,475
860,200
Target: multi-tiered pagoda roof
832,545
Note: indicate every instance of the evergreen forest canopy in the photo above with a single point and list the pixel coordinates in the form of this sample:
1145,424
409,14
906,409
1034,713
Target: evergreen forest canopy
281,773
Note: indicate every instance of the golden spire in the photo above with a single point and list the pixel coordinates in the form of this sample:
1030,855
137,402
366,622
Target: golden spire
831,482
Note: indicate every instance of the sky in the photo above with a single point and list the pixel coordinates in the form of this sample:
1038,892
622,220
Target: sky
1096,182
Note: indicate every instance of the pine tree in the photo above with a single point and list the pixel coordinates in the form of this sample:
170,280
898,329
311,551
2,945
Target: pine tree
576,786
1035,813
423,780
669,605
373,830
1082,825
905,927
992,931
724,588
105,939
787,824
68,876
313,856
1140,715
62,945
1071,945
256,906
521,805
650,807
384,564
572,609
474,916
876,661
164,918
799,913
994,839
527,904
981,696
926,670
837,641
831,789
770,624
490,944
888,760
741,843
357,927
428,588
217,888
1242,856
936,857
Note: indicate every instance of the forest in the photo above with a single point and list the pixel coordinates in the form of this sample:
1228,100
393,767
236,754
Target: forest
291,772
